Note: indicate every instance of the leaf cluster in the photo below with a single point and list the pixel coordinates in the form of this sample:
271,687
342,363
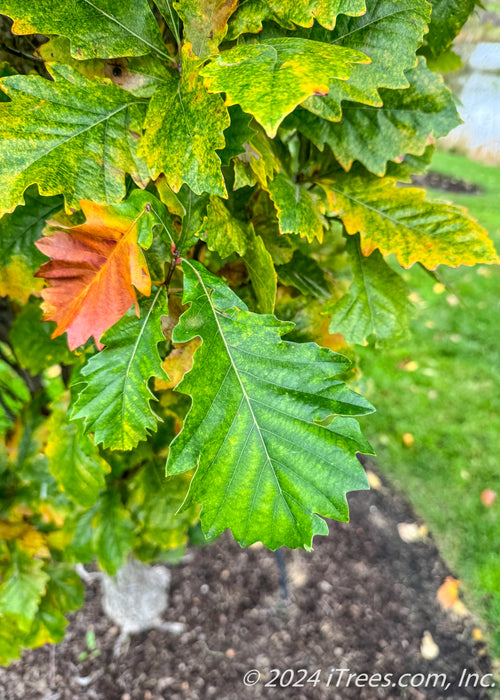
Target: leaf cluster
202,202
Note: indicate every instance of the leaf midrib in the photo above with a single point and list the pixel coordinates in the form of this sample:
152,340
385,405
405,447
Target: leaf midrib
247,400
373,21
134,351
64,142
127,29
77,302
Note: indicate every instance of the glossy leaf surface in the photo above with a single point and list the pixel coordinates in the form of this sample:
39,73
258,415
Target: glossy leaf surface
97,28
271,78
376,303
71,136
264,466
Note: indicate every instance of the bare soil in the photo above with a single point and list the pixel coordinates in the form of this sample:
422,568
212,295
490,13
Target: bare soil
361,600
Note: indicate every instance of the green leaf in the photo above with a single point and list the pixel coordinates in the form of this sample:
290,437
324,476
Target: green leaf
65,588
11,640
71,136
18,233
257,164
64,593
264,464
97,28
304,273
271,78
410,165
260,267
447,19
237,135
267,225
325,12
376,303
446,62
31,341
299,210
170,16
154,502
13,394
375,135
105,531
74,461
115,403
139,75
289,13
48,626
23,584
223,232
389,34
113,532
399,220
184,125
226,234
205,23
5,69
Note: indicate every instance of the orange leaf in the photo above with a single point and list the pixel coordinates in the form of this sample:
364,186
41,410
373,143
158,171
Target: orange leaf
93,270
488,497
448,592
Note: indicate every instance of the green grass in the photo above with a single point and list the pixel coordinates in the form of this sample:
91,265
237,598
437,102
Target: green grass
451,405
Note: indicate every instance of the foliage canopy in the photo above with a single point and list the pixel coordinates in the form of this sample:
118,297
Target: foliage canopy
202,195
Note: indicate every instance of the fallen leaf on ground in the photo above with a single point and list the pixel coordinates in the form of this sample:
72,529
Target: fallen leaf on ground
373,480
428,648
411,532
408,439
488,497
448,592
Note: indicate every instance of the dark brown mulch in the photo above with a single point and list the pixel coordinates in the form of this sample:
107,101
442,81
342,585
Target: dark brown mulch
362,600
437,181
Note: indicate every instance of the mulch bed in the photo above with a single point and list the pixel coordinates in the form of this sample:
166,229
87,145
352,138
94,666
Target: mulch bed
438,181
361,601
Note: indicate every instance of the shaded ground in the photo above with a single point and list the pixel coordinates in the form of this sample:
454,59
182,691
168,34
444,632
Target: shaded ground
362,600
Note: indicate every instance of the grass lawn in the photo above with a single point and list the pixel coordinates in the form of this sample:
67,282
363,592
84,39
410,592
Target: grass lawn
442,385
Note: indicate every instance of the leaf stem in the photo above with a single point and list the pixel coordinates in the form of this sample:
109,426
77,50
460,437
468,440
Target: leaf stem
173,264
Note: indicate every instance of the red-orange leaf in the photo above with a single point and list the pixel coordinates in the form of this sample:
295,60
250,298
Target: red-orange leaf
94,268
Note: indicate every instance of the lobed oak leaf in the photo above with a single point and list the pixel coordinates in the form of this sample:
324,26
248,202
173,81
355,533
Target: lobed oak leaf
94,268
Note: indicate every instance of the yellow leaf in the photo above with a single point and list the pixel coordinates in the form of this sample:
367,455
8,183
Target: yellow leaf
408,439
21,511
17,281
373,480
400,220
51,515
34,542
176,364
11,531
